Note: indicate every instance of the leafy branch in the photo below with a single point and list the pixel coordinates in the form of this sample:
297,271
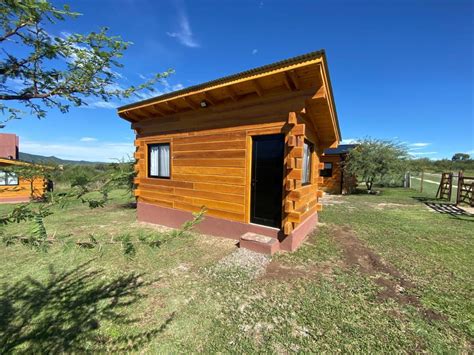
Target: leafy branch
41,70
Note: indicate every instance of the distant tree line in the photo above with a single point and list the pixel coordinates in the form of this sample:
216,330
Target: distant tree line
443,165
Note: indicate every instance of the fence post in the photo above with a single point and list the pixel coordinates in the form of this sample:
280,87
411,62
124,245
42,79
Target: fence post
422,178
406,180
459,189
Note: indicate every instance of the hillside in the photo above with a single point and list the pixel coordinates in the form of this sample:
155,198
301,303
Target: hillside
33,158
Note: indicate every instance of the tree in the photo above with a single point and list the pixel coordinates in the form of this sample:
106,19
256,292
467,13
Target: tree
375,159
41,70
460,157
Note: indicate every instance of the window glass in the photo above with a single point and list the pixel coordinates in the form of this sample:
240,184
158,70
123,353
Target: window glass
327,171
3,180
307,156
12,179
159,160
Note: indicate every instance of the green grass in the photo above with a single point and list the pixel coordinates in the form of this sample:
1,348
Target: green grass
176,298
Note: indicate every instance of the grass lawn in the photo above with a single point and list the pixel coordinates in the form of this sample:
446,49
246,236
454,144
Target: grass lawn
381,273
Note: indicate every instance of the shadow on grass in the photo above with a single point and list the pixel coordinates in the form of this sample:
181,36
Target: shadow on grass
64,313
443,207
129,205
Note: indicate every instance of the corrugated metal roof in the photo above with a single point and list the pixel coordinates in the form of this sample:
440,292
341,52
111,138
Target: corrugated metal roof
230,78
341,149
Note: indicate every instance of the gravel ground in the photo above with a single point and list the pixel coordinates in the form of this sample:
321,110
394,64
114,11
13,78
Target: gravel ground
252,263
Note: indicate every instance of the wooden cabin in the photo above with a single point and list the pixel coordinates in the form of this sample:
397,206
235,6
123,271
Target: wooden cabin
15,188
335,181
246,146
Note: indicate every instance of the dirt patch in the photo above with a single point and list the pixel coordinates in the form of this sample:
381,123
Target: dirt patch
280,271
328,199
394,285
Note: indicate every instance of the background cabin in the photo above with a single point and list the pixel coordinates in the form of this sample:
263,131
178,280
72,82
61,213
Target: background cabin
335,181
14,188
246,146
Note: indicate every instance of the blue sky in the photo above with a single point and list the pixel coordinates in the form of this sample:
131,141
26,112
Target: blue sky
400,69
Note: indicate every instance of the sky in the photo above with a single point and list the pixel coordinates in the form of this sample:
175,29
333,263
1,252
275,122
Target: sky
400,70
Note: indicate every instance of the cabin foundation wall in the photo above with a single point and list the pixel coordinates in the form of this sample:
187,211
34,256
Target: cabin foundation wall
299,234
18,199
174,218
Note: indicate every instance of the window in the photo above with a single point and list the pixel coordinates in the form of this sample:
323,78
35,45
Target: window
8,179
307,162
159,160
327,171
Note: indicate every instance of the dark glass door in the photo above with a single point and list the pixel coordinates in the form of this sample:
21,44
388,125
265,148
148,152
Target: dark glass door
267,180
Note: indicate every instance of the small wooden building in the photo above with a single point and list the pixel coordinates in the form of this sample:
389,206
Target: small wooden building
335,181
14,188
246,146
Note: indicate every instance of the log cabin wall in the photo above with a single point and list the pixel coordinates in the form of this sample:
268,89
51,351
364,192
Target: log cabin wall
23,191
209,128
332,184
211,155
300,201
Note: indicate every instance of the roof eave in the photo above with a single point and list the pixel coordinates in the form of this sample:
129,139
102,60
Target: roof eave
227,80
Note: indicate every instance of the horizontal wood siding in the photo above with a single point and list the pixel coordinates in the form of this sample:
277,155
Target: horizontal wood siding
207,169
23,189
211,156
332,184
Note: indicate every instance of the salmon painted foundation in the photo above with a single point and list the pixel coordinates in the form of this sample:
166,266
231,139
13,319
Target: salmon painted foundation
173,218
14,200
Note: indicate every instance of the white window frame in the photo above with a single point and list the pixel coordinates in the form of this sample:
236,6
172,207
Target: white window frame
156,166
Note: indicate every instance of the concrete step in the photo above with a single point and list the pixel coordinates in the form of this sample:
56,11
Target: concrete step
259,243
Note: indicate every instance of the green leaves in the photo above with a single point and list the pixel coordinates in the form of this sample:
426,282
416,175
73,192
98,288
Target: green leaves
128,248
42,71
375,159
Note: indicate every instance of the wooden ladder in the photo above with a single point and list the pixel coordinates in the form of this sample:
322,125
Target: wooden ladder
465,190
445,186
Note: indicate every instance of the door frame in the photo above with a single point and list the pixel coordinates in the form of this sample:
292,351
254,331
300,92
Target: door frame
249,163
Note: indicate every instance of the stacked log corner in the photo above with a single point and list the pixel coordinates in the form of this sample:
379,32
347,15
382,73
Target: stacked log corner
300,201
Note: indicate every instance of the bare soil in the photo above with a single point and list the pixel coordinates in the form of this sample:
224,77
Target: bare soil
280,271
394,285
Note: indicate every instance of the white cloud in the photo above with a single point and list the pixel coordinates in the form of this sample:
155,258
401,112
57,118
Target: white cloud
144,95
349,141
254,51
101,104
92,151
167,87
185,34
419,144
88,139
423,153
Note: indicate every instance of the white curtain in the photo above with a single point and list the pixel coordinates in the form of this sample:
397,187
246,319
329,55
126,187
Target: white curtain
164,160
306,163
153,160
160,160
12,179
